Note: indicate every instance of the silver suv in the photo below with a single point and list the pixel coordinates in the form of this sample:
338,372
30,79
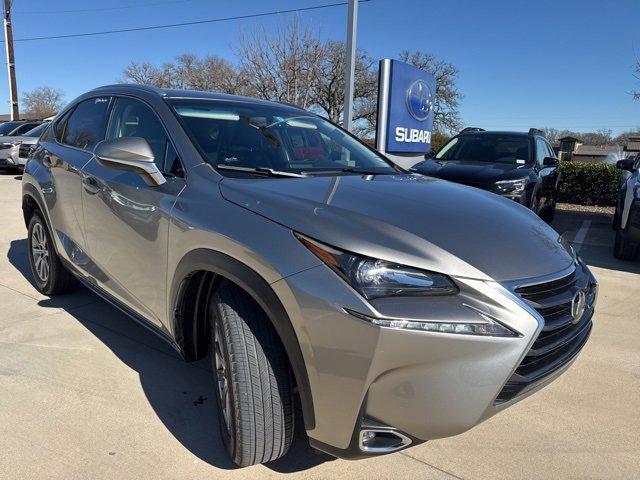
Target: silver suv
396,307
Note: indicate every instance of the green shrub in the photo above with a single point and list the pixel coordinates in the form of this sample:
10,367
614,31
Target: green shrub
589,184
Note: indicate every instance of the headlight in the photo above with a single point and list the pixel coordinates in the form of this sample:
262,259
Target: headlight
379,278
513,187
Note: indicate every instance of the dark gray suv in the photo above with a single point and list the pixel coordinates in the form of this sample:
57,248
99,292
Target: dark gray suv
396,307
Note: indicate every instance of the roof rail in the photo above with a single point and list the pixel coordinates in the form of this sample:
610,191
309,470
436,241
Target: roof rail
140,86
536,131
472,129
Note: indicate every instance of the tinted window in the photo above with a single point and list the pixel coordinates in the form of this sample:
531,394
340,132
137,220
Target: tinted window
22,129
132,118
86,125
61,125
36,132
282,138
488,147
172,162
8,127
541,150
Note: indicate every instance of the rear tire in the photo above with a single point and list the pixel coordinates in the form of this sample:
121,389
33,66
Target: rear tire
623,249
50,276
549,213
253,379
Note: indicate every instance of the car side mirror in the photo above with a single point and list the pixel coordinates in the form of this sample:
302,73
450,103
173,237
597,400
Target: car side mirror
130,153
550,162
626,164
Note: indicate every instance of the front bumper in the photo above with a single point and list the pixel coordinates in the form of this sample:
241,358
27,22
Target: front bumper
425,385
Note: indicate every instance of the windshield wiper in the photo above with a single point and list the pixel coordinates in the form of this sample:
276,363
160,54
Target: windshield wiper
363,171
270,172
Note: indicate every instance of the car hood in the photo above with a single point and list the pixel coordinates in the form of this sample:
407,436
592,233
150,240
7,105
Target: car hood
17,138
469,172
410,219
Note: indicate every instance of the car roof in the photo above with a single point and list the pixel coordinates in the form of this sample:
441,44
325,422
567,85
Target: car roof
496,132
187,94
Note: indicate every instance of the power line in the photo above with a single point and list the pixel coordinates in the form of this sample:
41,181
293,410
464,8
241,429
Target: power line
184,24
101,9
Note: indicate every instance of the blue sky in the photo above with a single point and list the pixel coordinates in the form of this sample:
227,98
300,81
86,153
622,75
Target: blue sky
563,64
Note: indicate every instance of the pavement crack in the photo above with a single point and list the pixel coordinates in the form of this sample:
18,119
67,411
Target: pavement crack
453,475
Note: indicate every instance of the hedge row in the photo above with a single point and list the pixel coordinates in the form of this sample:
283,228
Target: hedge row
589,184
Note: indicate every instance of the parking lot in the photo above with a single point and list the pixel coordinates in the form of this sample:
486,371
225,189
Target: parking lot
87,393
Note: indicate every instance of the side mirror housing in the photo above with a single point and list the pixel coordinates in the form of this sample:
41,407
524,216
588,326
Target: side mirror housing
130,153
627,164
550,162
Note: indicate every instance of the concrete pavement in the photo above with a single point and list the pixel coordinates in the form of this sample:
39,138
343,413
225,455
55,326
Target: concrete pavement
87,393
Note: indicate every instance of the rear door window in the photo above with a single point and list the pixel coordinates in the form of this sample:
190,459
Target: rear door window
87,124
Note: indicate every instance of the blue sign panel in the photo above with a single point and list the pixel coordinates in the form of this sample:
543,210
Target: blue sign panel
412,94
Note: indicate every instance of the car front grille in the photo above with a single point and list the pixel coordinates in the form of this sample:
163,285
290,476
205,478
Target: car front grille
23,151
562,336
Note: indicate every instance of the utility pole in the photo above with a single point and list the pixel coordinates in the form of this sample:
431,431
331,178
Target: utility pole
350,64
11,66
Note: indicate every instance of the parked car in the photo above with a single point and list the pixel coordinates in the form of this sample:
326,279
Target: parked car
17,127
626,221
14,150
398,308
516,165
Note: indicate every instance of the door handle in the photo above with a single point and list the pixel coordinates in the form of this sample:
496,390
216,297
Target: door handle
90,185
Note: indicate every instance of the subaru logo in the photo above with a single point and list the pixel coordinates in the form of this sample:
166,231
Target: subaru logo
578,306
419,100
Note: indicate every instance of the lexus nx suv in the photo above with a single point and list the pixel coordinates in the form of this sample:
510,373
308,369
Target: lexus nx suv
394,307
517,165
626,221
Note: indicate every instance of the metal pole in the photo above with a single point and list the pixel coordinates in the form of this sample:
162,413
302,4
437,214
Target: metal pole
350,64
11,66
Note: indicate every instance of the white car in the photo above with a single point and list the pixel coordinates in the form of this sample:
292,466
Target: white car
11,153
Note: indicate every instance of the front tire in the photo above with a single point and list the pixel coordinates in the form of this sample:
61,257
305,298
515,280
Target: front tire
253,379
623,249
49,274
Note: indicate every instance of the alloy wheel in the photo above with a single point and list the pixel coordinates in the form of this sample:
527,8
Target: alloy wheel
40,252
222,377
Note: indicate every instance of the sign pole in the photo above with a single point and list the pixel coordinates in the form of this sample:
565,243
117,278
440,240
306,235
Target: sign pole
350,64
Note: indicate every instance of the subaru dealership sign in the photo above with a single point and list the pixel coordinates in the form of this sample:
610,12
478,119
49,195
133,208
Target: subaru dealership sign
405,109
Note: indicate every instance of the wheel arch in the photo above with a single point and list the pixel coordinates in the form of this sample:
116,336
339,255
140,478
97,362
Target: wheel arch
31,201
192,282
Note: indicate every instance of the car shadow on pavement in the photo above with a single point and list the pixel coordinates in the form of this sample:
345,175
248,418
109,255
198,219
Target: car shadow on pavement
180,393
595,244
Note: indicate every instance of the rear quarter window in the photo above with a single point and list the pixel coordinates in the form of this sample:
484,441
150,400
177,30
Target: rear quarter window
86,126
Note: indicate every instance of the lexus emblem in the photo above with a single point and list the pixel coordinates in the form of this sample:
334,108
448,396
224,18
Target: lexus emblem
578,306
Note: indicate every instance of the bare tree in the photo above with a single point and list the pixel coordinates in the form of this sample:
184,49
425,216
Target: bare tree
210,73
447,99
145,73
328,86
636,93
280,66
42,102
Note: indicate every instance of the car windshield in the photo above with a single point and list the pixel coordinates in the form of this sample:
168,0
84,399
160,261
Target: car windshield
36,132
491,148
8,127
254,136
